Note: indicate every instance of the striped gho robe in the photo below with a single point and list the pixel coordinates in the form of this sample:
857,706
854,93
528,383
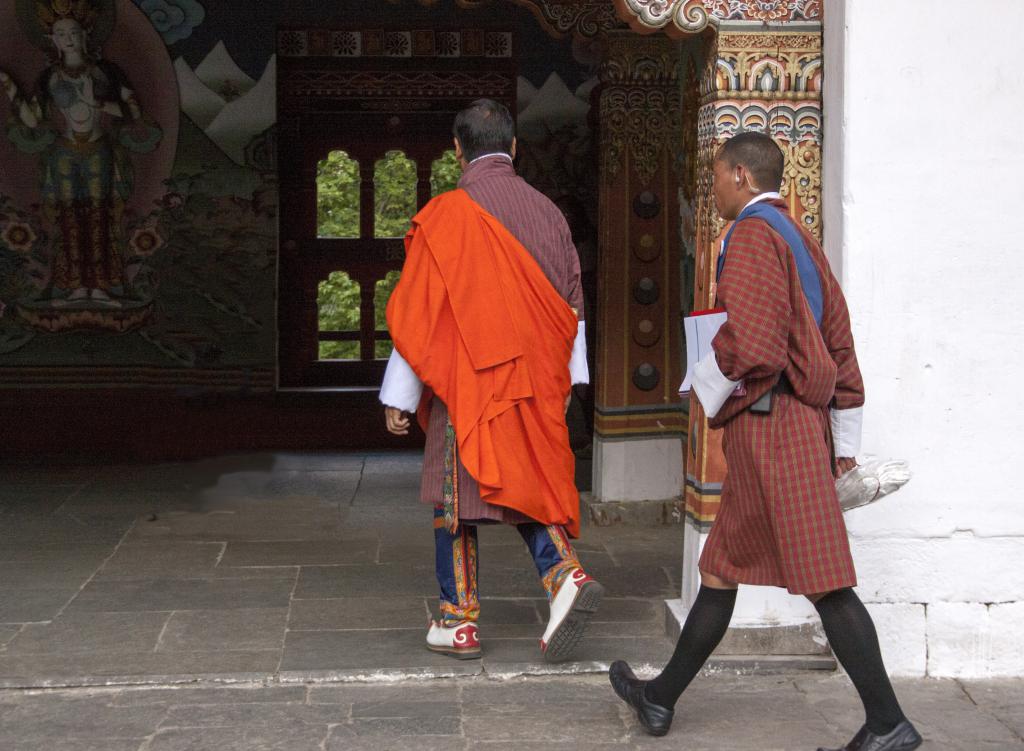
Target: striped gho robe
780,522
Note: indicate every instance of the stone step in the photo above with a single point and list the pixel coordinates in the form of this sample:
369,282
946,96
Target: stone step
768,664
763,649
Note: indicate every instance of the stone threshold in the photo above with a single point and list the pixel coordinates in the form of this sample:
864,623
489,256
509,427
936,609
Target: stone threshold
737,664
763,649
632,513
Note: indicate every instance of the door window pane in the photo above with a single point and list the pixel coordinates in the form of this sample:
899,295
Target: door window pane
444,173
381,295
338,311
394,189
337,196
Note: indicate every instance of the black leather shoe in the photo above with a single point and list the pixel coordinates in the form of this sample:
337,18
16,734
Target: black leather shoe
903,737
655,719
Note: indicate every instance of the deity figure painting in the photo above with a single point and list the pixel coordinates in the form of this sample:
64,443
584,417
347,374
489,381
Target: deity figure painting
82,118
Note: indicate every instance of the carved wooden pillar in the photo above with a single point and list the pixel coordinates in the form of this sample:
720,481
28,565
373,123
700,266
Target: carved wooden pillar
639,422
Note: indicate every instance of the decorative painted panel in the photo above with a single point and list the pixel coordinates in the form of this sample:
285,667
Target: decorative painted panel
767,81
639,346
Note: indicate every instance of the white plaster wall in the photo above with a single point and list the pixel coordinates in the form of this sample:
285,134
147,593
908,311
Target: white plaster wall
924,184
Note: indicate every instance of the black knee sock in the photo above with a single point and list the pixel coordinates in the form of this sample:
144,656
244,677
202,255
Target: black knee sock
851,633
705,626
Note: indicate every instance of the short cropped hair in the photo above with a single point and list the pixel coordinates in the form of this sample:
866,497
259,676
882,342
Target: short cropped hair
759,154
484,127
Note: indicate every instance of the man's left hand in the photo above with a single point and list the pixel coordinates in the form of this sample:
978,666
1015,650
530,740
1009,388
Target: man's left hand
845,464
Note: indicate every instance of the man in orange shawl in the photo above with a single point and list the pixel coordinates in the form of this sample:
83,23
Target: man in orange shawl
489,337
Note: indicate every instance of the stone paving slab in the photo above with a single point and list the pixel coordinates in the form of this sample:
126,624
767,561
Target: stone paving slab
74,633
8,632
281,568
46,574
240,738
163,559
365,580
720,712
31,551
255,629
358,613
302,553
136,668
355,653
29,604
253,524
184,594
29,530
314,461
998,698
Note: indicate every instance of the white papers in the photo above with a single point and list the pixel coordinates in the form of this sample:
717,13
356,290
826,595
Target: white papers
700,329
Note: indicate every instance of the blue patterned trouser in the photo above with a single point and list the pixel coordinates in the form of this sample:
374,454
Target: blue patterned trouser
457,563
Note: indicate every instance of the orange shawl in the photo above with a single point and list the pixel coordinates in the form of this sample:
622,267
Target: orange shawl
483,328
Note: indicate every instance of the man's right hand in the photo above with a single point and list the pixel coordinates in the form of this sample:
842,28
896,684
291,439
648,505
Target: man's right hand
397,421
844,464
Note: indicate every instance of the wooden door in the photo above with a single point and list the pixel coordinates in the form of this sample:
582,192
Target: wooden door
391,104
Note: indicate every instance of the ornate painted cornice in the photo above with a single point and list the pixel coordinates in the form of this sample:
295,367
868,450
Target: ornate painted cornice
694,16
583,18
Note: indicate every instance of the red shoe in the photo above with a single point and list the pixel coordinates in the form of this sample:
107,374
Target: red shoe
461,641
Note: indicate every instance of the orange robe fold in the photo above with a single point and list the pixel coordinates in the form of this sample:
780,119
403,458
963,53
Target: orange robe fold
484,329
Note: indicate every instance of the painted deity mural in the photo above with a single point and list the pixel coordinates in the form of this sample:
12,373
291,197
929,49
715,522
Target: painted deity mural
127,239
137,241
84,121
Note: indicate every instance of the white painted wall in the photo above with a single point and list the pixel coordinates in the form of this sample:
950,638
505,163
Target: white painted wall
638,470
924,189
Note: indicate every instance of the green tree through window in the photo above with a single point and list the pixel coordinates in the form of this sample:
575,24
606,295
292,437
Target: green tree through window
337,196
444,173
338,310
338,184
394,194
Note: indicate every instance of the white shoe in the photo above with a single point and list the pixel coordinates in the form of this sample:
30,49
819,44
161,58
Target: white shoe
461,640
571,608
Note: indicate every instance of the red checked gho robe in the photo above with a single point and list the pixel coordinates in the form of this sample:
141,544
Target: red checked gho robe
780,522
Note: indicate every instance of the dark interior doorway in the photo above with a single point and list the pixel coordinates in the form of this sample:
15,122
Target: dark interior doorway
364,123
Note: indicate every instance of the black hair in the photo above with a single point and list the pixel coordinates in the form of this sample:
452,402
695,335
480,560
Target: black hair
484,127
759,154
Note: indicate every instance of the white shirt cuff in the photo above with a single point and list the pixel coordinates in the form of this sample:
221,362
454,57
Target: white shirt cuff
711,385
578,370
846,430
401,389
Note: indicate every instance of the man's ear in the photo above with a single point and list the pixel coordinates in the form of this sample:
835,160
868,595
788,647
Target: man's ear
458,149
747,180
515,143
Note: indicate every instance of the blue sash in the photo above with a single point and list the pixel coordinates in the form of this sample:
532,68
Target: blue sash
779,221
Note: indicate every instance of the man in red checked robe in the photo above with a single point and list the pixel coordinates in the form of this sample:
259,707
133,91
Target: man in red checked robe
793,429
487,322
